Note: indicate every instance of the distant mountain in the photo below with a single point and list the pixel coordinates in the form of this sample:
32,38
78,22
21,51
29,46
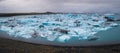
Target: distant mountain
15,14
36,13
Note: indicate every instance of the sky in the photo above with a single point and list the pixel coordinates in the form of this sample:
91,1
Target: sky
74,6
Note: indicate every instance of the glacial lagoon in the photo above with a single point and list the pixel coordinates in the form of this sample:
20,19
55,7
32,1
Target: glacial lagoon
62,29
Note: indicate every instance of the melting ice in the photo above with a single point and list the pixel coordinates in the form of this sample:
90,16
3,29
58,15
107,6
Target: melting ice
60,27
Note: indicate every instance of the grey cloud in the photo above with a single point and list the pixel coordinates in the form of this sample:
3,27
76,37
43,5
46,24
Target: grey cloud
2,0
60,6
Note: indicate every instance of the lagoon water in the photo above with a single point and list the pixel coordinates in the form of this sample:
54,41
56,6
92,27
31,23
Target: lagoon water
105,37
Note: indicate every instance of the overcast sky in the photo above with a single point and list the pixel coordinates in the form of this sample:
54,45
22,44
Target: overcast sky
79,6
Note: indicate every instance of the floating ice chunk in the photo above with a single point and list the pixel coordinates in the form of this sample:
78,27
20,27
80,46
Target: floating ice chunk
110,16
23,34
51,37
5,28
64,38
114,25
11,32
92,38
43,35
26,36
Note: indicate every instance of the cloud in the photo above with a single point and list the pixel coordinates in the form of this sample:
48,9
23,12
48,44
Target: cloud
60,6
2,0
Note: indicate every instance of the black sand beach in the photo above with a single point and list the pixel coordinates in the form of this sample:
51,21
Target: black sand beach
12,46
